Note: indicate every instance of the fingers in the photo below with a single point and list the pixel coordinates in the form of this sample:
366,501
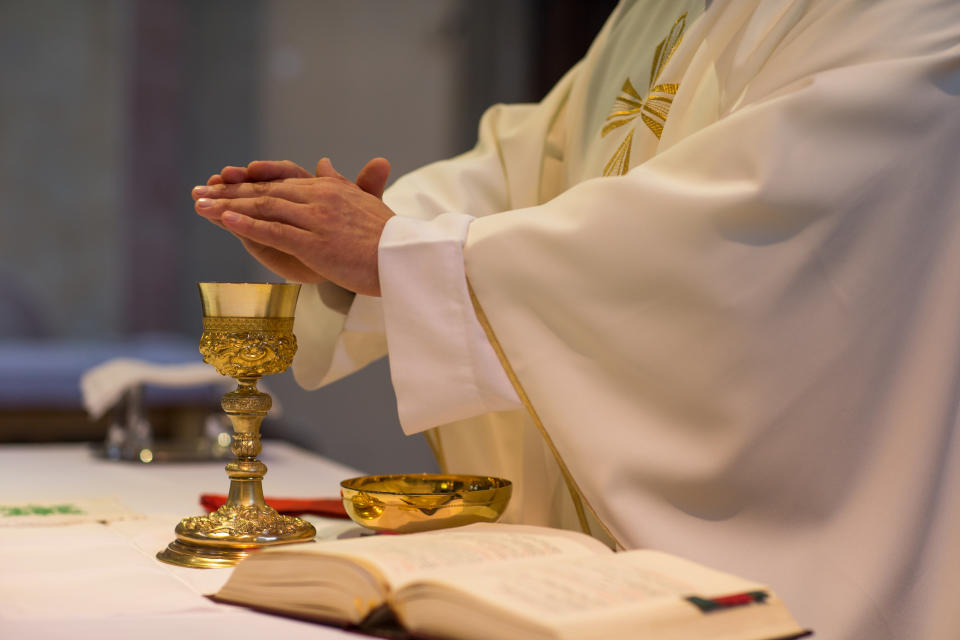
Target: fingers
276,235
264,170
373,177
295,190
232,175
266,208
259,171
282,264
325,170
229,175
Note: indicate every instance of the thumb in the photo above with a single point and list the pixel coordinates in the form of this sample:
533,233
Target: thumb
373,177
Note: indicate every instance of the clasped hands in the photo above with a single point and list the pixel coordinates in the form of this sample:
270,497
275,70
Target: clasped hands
303,227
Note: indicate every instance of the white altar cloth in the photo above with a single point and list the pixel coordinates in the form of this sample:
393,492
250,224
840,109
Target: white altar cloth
95,580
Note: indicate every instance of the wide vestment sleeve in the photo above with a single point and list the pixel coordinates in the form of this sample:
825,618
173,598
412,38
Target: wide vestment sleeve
749,342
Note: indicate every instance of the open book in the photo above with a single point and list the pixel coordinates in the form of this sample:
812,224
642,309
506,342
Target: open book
507,581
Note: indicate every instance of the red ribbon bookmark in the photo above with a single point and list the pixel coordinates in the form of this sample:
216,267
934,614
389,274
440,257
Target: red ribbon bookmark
326,507
725,602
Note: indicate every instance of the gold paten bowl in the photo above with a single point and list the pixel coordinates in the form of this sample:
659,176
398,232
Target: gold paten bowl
406,503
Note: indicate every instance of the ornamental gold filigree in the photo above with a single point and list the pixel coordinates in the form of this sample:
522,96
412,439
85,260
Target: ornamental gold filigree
245,445
242,521
248,347
247,401
652,110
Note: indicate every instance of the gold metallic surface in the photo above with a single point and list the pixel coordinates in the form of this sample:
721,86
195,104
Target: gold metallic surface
619,163
248,347
405,503
248,327
195,557
253,338
652,110
248,299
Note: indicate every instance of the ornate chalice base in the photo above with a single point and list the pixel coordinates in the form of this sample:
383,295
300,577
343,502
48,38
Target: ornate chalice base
244,348
230,533
245,522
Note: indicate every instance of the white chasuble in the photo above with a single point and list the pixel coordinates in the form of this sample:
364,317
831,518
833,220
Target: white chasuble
724,279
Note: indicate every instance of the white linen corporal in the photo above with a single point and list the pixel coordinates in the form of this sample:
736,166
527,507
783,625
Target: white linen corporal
723,276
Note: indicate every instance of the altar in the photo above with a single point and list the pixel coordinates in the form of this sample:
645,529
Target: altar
101,578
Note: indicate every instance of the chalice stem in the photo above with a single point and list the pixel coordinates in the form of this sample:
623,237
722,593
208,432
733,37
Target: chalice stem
246,407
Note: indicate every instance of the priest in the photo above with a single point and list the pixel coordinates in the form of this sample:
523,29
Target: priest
704,297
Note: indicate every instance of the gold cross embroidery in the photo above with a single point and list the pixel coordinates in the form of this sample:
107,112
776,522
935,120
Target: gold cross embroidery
652,111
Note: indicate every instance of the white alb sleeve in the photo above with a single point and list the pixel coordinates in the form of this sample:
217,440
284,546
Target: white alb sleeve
442,365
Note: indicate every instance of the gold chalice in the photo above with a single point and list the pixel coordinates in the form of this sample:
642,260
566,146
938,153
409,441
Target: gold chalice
247,333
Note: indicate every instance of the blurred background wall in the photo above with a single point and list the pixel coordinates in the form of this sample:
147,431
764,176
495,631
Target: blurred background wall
111,110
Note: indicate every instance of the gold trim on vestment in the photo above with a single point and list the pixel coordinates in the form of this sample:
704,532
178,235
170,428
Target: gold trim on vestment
652,109
575,494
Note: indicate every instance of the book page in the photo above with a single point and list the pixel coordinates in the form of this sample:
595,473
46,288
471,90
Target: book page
345,579
627,578
400,558
630,594
559,589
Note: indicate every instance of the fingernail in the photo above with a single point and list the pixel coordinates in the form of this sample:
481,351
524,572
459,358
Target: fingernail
229,216
204,203
201,190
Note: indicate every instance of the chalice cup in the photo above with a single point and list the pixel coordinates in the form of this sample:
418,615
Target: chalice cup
247,333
